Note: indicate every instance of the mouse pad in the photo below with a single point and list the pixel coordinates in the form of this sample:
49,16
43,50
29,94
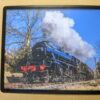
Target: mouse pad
51,49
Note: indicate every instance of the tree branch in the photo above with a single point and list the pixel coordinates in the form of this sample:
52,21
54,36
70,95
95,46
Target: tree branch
35,19
14,43
28,21
16,31
36,29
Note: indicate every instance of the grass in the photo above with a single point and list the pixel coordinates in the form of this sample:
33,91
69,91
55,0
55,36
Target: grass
90,85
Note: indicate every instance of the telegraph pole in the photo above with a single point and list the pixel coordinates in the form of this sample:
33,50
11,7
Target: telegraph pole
96,71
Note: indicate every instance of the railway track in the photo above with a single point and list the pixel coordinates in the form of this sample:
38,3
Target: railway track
42,86
58,86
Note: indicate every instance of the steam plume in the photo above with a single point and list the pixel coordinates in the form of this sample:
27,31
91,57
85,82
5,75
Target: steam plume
60,28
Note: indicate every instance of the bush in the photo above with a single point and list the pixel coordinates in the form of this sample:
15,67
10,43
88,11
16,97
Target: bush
21,57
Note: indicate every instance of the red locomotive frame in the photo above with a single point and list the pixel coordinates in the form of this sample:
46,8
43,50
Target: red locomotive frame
33,68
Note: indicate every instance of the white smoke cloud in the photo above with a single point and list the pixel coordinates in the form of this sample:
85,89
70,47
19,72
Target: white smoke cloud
60,28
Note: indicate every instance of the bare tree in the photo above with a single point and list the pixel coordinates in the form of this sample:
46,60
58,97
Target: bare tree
21,27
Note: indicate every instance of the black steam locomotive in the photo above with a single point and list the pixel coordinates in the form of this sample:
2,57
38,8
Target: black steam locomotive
51,64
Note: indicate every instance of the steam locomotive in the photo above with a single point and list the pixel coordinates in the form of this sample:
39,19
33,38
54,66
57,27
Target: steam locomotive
51,64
